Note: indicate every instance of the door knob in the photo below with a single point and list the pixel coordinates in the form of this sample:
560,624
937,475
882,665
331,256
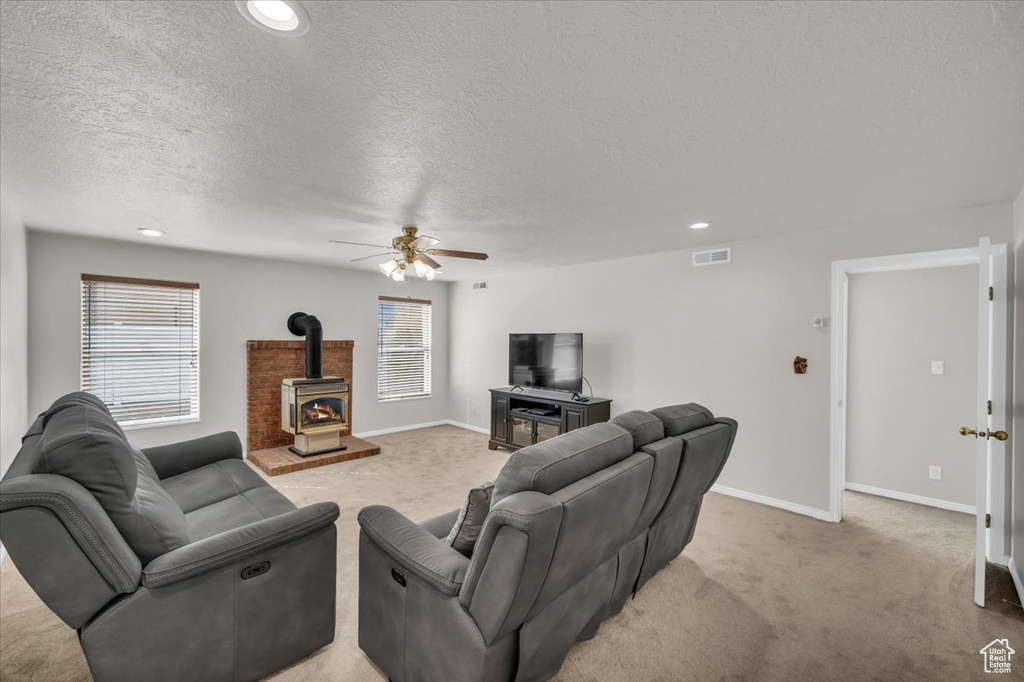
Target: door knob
998,435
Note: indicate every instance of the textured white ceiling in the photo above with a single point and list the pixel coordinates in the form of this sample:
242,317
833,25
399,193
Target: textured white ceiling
542,133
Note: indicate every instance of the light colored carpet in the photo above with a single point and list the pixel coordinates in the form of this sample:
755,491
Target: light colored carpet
760,594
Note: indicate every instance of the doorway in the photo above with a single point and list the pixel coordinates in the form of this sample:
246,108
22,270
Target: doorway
912,372
992,403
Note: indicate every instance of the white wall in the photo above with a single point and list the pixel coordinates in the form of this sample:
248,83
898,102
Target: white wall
1017,432
901,418
13,335
240,299
658,331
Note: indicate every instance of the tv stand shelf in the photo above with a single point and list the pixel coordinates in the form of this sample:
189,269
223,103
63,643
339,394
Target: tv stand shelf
524,416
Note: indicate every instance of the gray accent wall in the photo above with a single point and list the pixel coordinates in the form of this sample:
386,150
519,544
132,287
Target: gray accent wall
13,335
658,331
902,418
241,298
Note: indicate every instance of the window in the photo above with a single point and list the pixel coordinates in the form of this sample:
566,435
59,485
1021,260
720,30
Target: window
140,348
403,348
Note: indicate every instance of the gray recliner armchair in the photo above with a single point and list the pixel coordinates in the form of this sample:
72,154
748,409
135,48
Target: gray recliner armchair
577,524
173,563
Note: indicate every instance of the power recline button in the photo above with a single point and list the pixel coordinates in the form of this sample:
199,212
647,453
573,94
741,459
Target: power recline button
255,570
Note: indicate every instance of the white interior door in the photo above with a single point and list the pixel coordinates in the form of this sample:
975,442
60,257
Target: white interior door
990,430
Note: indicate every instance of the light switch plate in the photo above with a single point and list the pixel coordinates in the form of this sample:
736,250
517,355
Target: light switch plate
938,367
935,473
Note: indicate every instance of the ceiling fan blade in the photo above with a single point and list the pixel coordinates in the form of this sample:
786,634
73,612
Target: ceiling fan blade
458,254
376,246
376,255
424,242
424,258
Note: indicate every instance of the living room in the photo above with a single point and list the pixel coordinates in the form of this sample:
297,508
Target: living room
375,205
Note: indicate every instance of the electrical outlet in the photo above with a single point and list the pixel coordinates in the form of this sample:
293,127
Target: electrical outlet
935,473
938,367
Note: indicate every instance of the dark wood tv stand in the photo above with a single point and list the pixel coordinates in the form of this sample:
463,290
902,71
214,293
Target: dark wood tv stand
524,416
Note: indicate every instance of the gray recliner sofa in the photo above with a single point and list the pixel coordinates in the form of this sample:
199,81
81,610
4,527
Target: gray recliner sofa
173,563
577,524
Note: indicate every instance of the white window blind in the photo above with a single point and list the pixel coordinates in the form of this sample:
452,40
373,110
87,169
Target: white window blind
140,348
403,348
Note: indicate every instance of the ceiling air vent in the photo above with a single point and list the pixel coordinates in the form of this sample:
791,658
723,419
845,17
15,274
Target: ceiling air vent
712,257
480,285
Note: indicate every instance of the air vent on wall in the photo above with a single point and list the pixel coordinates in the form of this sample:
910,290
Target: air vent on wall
480,285
712,257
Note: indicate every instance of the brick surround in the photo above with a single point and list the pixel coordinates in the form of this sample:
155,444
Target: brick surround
267,364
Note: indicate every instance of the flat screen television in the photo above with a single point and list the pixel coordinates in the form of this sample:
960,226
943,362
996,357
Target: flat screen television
552,361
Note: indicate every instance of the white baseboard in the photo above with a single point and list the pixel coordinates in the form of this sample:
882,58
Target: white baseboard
916,499
469,427
3,552
398,429
424,425
820,514
1017,582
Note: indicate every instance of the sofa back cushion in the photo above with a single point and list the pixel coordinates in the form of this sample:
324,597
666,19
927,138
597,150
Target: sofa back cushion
679,419
643,427
598,514
81,441
705,451
27,460
556,463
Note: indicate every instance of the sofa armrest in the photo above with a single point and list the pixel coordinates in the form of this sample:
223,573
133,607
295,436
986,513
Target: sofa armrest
518,539
177,458
414,548
237,544
84,519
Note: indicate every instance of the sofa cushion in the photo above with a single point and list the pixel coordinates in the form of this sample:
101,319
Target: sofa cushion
222,496
679,419
466,528
239,510
440,526
644,427
554,464
212,483
82,442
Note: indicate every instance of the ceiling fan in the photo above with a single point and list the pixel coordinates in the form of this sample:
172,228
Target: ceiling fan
415,251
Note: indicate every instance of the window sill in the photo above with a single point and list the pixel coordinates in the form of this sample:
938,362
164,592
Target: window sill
157,425
404,398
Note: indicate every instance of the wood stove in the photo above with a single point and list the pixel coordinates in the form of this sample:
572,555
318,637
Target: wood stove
314,408
314,411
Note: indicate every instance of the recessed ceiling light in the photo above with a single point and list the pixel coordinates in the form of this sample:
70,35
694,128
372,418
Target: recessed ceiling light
150,232
699,226
283,17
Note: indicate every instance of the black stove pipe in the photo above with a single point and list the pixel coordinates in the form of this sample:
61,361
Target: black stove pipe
302,324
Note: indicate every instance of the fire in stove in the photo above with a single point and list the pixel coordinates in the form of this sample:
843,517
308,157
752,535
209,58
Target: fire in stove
322,412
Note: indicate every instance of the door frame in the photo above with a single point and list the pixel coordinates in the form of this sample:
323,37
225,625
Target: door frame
841,271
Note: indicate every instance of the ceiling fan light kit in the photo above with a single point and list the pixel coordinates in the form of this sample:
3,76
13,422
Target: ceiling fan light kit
415,250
